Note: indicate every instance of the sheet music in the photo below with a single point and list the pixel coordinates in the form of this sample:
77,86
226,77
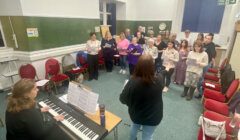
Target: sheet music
82,98
192,62
41,82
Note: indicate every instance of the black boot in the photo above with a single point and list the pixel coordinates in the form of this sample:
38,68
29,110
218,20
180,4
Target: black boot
185,91
190,93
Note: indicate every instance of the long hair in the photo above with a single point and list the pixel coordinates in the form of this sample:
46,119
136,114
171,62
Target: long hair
186,44
19,100
144,69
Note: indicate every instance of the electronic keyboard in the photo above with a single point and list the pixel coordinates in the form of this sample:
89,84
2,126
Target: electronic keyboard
75,121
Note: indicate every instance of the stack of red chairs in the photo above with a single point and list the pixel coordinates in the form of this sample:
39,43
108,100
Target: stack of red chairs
216,117
52,68
217,109
217,101
211,78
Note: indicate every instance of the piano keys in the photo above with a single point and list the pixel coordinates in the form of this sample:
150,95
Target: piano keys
75,122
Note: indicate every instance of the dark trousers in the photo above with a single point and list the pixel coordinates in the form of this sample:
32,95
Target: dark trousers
92,66
131,68
167,76
109,65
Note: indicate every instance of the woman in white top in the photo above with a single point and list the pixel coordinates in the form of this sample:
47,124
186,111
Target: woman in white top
151,49
196,60
170,57
93,46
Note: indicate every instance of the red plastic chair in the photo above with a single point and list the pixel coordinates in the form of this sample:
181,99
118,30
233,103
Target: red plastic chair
100,59
216,70
52,68
28,71
69,65
212,73
216,117
218,107
218,96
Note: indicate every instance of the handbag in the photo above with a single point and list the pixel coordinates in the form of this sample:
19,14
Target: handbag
213,129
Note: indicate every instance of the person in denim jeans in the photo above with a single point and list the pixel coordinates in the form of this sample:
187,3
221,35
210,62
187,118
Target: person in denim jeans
122,46
209,48
143,96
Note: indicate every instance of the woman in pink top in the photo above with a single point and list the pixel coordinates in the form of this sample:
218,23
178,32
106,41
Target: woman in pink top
122,49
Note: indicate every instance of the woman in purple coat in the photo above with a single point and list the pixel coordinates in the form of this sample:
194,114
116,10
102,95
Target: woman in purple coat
181,64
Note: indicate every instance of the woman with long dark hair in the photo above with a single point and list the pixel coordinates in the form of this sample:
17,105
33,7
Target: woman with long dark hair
170,57
143,96
181,65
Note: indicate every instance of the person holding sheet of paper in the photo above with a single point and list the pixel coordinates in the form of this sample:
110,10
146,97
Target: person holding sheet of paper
134,52
109,48
151,49
196,60
93,47
170,57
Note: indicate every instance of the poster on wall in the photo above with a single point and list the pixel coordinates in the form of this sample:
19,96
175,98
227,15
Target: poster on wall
32,32
104,29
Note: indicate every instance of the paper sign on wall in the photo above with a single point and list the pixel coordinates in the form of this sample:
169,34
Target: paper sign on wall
97,29
32,32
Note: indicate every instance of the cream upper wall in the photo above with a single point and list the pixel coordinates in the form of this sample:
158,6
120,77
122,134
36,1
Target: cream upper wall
146,10
10,8
61,8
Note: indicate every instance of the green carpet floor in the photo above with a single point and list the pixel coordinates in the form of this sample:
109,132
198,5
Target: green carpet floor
179,120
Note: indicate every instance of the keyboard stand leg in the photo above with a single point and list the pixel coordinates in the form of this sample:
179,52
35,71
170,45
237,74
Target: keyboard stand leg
115,133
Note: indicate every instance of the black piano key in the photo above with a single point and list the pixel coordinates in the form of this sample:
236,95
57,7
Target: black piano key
90,134
68,116
60,112
54,107
74,122
70,119
87,131
77,125
82,128
94,134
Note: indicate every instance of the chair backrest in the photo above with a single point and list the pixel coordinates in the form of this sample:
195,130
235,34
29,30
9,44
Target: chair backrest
81,58
232,89
226,79
27,71
220,118
67,60
52,67
100,55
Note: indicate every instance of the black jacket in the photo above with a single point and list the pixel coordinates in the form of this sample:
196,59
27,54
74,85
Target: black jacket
26,125
210,50
145,105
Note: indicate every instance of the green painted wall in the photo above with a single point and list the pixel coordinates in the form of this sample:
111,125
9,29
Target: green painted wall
133,25
58,32
53,31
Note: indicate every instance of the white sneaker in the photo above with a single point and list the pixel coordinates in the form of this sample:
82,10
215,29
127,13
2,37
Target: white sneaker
124,72
121,71
165,89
